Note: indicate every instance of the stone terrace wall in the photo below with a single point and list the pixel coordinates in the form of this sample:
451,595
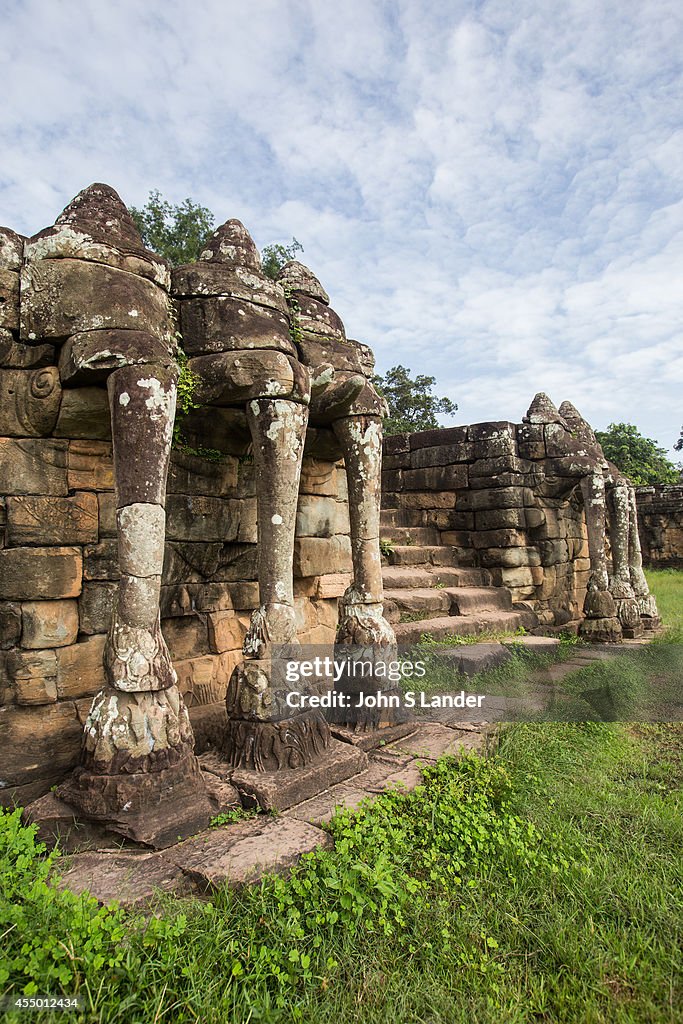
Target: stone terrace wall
59,563
660,525
495,496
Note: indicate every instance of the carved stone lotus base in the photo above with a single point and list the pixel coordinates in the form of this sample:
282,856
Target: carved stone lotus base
601,624
274,746
156,808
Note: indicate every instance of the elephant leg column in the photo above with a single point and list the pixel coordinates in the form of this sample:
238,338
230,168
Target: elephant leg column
649,615
138,773
361,618
600,623
264,734
620,586
363,634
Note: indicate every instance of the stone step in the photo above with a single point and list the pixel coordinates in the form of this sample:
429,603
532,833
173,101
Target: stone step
470,600
405,577
429,554
464,625
401,517
419,599
410,535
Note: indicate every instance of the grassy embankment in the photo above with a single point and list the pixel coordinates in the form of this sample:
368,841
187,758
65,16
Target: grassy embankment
543,884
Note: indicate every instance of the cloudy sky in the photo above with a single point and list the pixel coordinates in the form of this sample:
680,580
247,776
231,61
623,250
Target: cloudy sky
491,192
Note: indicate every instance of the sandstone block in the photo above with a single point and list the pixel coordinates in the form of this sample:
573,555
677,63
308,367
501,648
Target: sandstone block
321,517
437,437
49,623
91,467
227,631
15,355
442,455
497,464
197,680
248,521
320,477
499,539
512,557
90,357
80,668
101,561
222,323
52,520
33,467
66,296
95,607
186,636
34,676
395,444
106,509
189,598
332,585
187,562
38,743
9,299
193,517
29,401
84,413
314,556
501,519
10,625
28,574
191,474
427,501
204,278
240,376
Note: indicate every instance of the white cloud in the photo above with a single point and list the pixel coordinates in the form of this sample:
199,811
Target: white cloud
491,193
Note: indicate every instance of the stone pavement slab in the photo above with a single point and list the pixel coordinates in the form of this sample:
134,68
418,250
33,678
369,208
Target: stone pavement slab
130,878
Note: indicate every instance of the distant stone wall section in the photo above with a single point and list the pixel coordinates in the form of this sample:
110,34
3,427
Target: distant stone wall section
660,524
488,489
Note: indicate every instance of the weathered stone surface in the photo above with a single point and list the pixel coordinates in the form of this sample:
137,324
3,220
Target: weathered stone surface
227,631
89,357
223,324
132,879
438,436
90,466
29,401
80,671
205,278
430,742
321,517
315,556
101,561
28,574
9,299
95,606
186,562
34,676
437,478
196,597
141,539
237,854
49,623
193,475
192,517
33,467
186,637
38,743
52,520
97,227
84,413
278,790
67,296
232,245
17,356
10,625
155,807
142,402
198,680
240,376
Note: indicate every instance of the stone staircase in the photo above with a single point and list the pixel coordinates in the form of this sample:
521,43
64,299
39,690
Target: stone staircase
431,587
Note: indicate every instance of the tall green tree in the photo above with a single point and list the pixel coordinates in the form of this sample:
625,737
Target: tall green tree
412,406
179,232
639,458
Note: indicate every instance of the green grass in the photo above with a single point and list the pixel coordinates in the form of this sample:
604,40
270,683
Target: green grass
667,586
542,885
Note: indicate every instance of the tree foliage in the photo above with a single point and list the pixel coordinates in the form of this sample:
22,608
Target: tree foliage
639,458
179,232
412,406
274,257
